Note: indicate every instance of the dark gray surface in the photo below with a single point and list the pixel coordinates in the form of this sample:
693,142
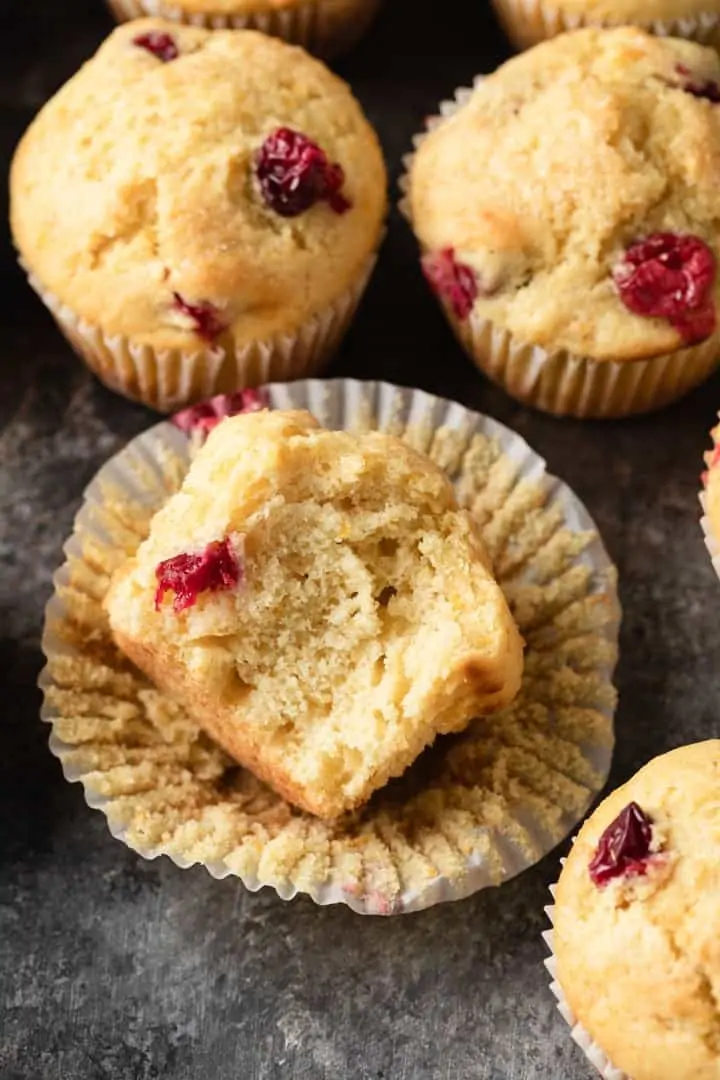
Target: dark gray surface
112,968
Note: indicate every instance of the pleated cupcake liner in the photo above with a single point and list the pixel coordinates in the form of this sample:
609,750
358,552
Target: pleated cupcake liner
475,810
594,1053
561,382
168,379
321,28
712,542
528,22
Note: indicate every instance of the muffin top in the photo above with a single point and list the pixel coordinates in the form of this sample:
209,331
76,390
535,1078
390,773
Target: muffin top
574,199
187,186
637,920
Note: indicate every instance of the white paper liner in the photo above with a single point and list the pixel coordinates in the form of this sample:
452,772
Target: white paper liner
527,22
500,851
562,382
319,27
711,540
595,1055
168,380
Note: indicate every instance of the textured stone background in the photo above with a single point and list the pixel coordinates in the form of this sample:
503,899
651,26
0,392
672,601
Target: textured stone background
112,968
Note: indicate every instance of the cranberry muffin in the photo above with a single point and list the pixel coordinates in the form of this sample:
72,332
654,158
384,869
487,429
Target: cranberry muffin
567,212
528,22
200,210
637,921
325,27
319,603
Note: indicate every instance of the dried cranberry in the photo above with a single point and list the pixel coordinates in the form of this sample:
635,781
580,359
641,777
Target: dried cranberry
670,277
294,173
624,848
206,415
708,89
159,44
215,569
206,317
453,281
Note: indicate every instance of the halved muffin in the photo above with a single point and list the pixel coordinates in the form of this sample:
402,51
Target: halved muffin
319,604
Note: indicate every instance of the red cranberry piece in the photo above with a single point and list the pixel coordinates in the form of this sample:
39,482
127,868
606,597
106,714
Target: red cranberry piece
708,89
453,281
207,414
670,277
294,173
159,44
206,317
624,848
215,569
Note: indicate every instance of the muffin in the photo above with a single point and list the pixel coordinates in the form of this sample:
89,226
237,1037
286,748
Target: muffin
318,602
637,922
527,22
325,27
200,211
567,212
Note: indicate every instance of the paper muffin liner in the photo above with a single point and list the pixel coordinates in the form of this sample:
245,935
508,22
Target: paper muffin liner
323,28
527,22
559,381
169,379
595,1055
712,543
475,809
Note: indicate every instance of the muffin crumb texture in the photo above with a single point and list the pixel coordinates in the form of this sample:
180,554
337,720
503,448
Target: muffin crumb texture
638,958
578,184
321,605
514,781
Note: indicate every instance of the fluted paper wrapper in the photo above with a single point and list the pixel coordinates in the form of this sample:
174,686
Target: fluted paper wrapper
475,809
712,542
527,22
170,379
558,381
595,1055
320,27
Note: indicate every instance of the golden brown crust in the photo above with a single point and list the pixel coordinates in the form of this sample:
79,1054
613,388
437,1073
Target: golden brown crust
639,960
511,183
115,218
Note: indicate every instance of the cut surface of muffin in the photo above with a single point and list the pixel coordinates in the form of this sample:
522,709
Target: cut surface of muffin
319,604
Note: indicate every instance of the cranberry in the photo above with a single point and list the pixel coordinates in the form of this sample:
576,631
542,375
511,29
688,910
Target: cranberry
708,89
294,173
206,415
208,324
670,277
215,569
453,281
159,44
624,848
